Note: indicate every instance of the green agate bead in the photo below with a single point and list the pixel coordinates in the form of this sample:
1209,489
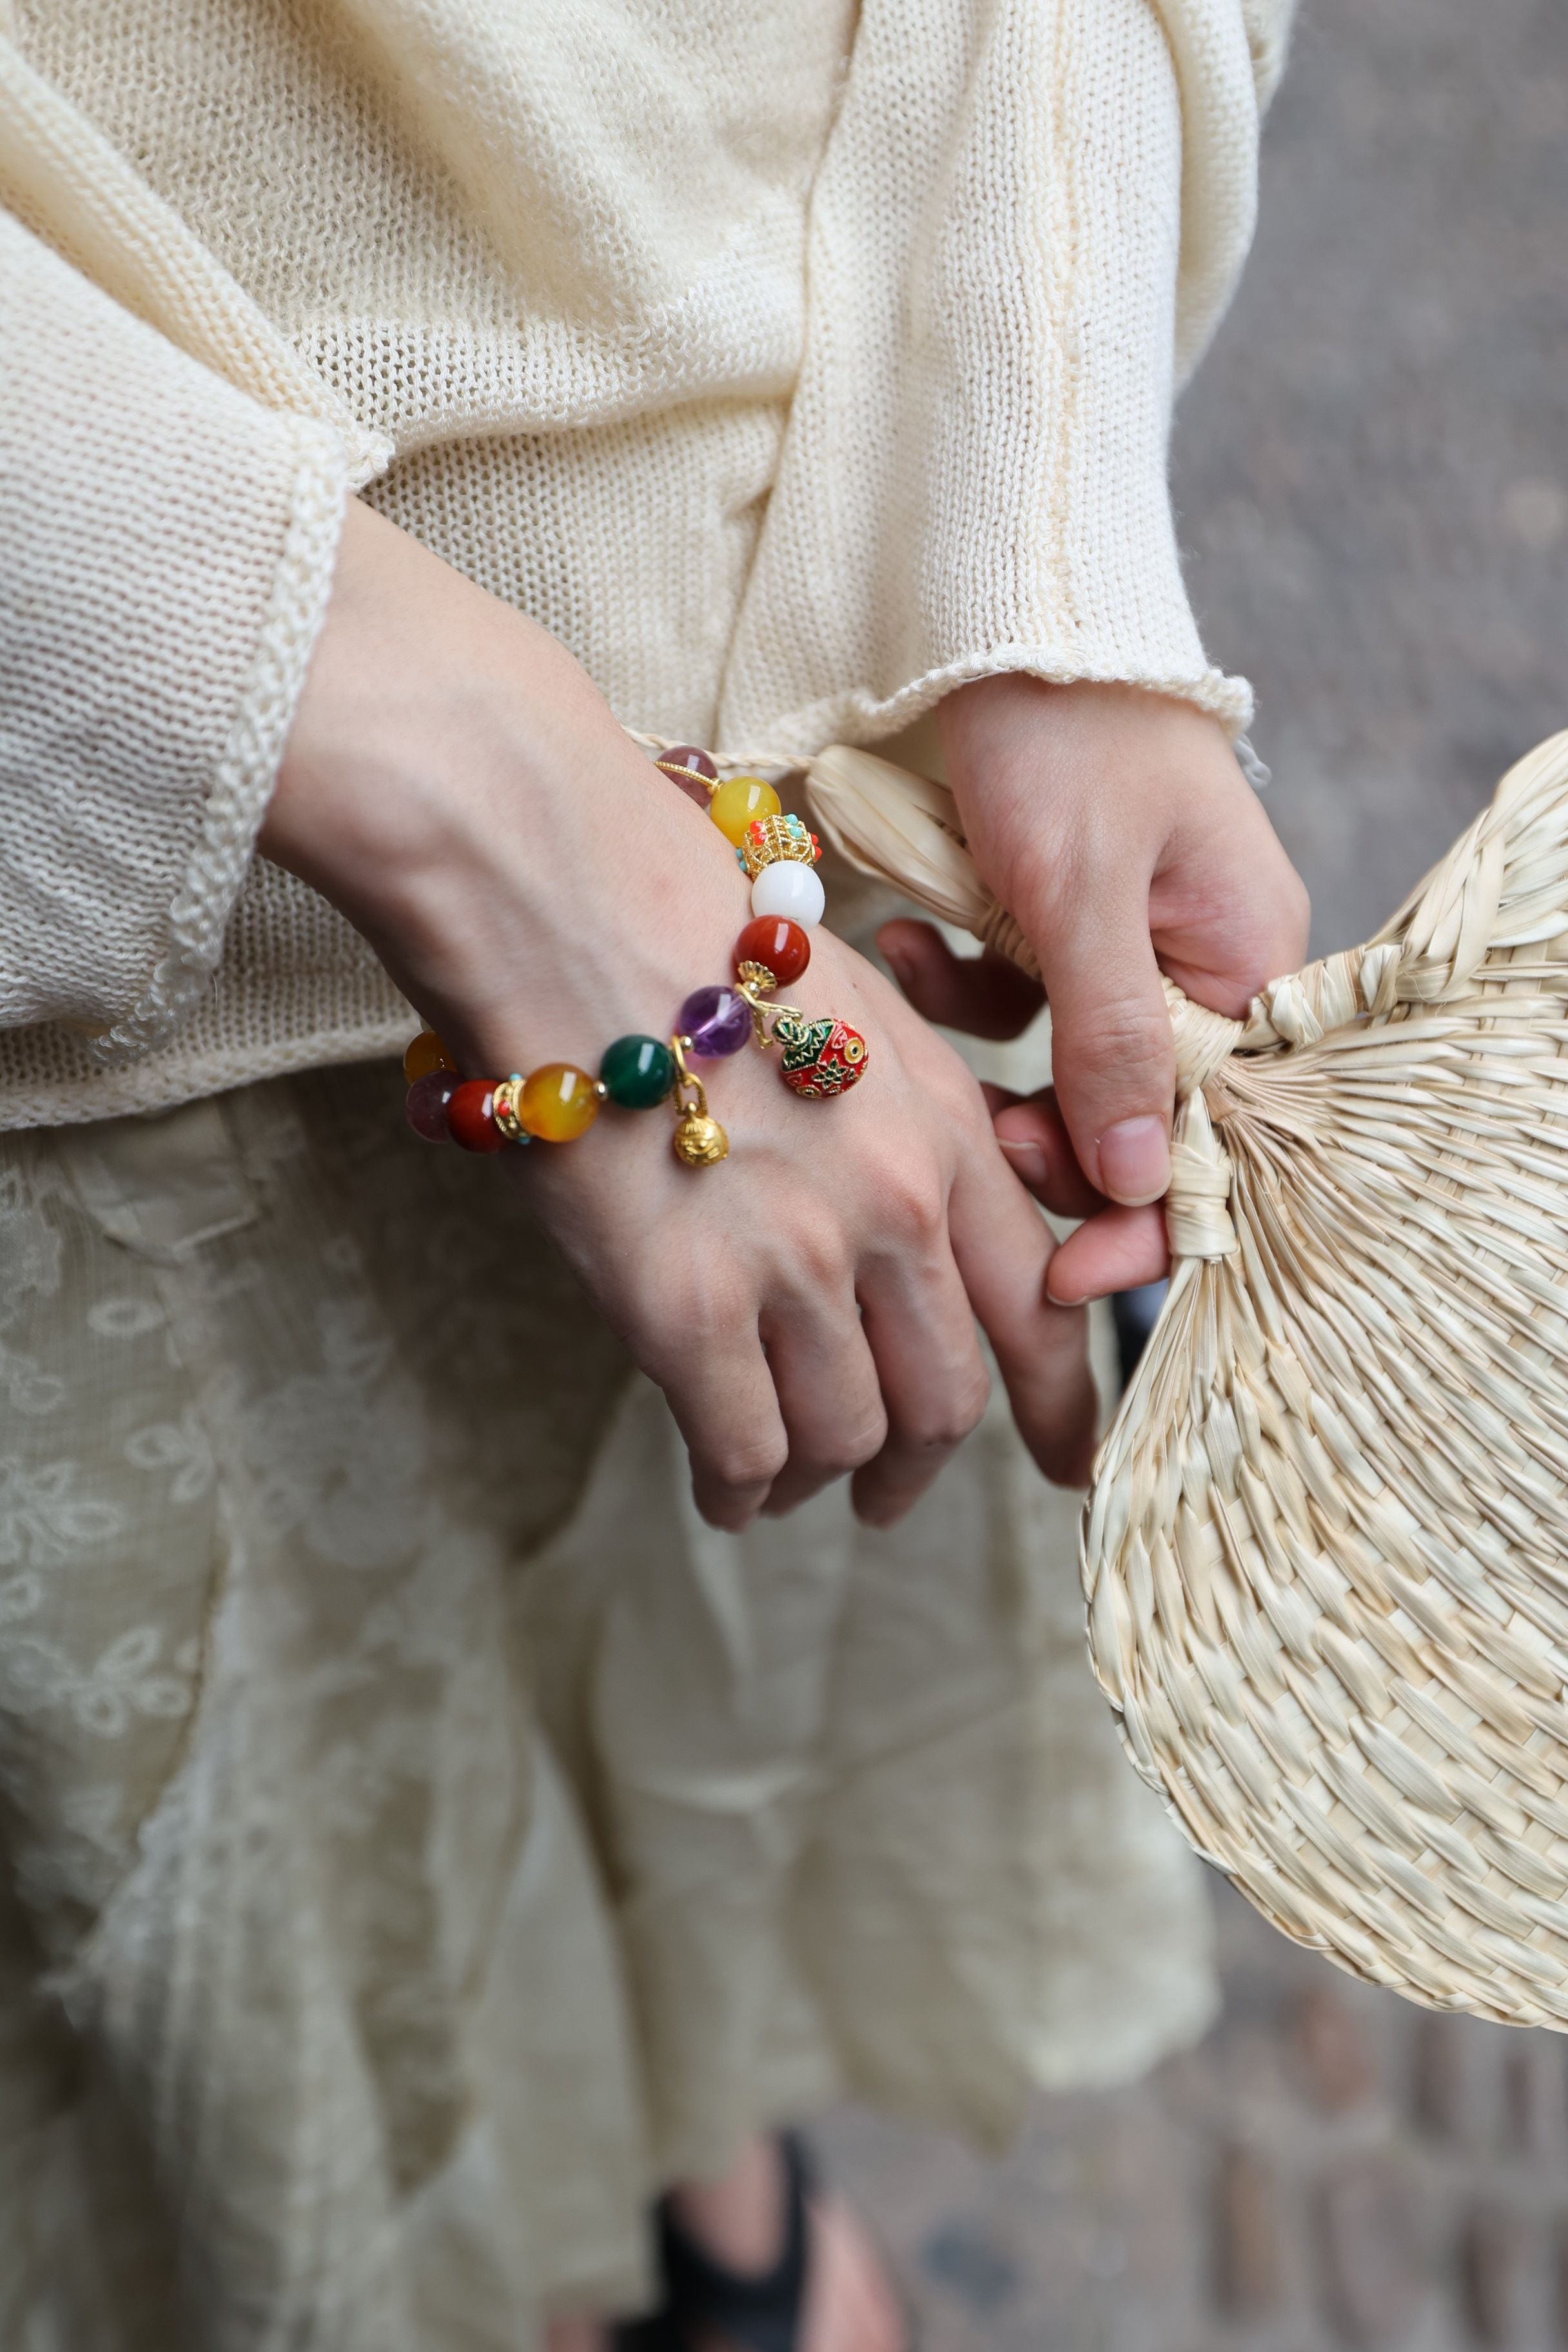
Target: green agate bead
638,1072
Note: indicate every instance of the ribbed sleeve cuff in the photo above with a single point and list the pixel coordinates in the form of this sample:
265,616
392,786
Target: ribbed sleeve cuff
860,716
244,772
170,546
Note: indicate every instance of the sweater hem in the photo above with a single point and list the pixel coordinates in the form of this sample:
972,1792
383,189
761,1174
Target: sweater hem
175,1078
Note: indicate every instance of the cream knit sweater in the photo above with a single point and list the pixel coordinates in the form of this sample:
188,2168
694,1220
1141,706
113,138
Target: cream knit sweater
793,364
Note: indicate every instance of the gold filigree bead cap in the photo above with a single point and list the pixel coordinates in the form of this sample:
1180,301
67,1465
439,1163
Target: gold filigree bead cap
769,840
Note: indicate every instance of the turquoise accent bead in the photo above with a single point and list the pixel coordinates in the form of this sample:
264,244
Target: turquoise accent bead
638,1072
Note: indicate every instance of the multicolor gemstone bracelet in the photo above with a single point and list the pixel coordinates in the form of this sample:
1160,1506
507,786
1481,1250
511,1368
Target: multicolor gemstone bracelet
558,1102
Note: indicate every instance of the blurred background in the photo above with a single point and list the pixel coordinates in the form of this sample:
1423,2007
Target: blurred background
1371,482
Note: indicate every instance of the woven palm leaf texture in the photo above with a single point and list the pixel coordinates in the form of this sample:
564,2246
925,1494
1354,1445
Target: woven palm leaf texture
1325,1553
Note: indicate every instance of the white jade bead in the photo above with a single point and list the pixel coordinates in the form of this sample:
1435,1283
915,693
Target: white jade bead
787,887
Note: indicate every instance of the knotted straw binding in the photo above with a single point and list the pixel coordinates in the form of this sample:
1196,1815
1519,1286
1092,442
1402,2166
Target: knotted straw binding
1326,1549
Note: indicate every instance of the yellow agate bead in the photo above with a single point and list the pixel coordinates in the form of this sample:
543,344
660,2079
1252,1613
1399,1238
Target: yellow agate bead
738,804
425,1055
559,1103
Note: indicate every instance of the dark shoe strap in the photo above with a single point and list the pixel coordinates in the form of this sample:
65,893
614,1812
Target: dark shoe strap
762,2314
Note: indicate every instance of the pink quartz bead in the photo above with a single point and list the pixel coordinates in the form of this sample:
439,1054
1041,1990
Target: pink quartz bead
689,756
425,1105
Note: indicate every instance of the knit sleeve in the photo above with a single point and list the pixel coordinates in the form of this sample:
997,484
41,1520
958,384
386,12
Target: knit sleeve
1030,216
169,548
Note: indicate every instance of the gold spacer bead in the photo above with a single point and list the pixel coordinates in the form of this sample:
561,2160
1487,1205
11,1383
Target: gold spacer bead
504,1101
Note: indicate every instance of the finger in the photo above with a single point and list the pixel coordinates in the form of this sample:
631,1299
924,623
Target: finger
934,1384
827,1386
1118,1250
1112,1060
985,995
720,1388
1032,1132
1003,1247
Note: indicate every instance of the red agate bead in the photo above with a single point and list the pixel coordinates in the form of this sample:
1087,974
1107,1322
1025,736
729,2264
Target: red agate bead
774,940
471,1117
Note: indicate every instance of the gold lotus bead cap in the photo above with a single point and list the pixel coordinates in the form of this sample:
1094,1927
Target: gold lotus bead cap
768,839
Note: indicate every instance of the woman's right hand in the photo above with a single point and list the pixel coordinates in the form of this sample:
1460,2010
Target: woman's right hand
456,785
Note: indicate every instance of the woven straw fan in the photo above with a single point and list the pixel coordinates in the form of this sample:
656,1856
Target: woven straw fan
1326,1549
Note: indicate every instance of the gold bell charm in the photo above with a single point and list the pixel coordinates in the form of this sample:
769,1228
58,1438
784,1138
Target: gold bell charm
699,1140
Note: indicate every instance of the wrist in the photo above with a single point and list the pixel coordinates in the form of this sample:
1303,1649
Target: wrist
454,785
425,709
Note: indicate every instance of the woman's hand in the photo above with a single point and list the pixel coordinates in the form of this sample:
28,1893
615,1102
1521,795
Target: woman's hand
457,786
1117,827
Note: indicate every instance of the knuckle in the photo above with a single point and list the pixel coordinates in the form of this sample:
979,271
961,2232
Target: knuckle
694,1305
676,1315
910,1201
741,1463
970,1400
943,1421
836,1453
713,1304
819,1258
1130,1032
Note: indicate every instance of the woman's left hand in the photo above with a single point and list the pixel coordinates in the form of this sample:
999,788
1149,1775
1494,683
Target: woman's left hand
1117,827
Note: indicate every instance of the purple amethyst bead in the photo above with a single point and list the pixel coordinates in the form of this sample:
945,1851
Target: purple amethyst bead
425,1105
716,1019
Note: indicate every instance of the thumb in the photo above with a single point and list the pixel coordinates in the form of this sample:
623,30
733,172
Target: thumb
1112,1060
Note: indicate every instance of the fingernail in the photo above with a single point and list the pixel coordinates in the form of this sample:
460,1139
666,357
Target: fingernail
1134,1161
1028,1160
899,966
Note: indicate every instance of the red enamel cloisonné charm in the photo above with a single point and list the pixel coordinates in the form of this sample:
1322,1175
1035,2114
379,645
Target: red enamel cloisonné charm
820,1058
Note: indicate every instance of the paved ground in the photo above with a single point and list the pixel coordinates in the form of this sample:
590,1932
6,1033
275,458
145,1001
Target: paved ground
1373,478
1330,2168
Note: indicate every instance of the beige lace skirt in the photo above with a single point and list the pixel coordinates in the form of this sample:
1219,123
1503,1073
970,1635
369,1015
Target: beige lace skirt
419,1833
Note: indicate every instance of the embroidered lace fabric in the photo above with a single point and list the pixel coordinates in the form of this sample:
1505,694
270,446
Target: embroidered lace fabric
420,1834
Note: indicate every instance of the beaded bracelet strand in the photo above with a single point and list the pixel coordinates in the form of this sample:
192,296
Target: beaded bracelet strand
558,1102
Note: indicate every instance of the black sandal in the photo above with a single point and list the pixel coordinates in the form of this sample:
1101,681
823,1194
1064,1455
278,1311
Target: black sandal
759,2313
